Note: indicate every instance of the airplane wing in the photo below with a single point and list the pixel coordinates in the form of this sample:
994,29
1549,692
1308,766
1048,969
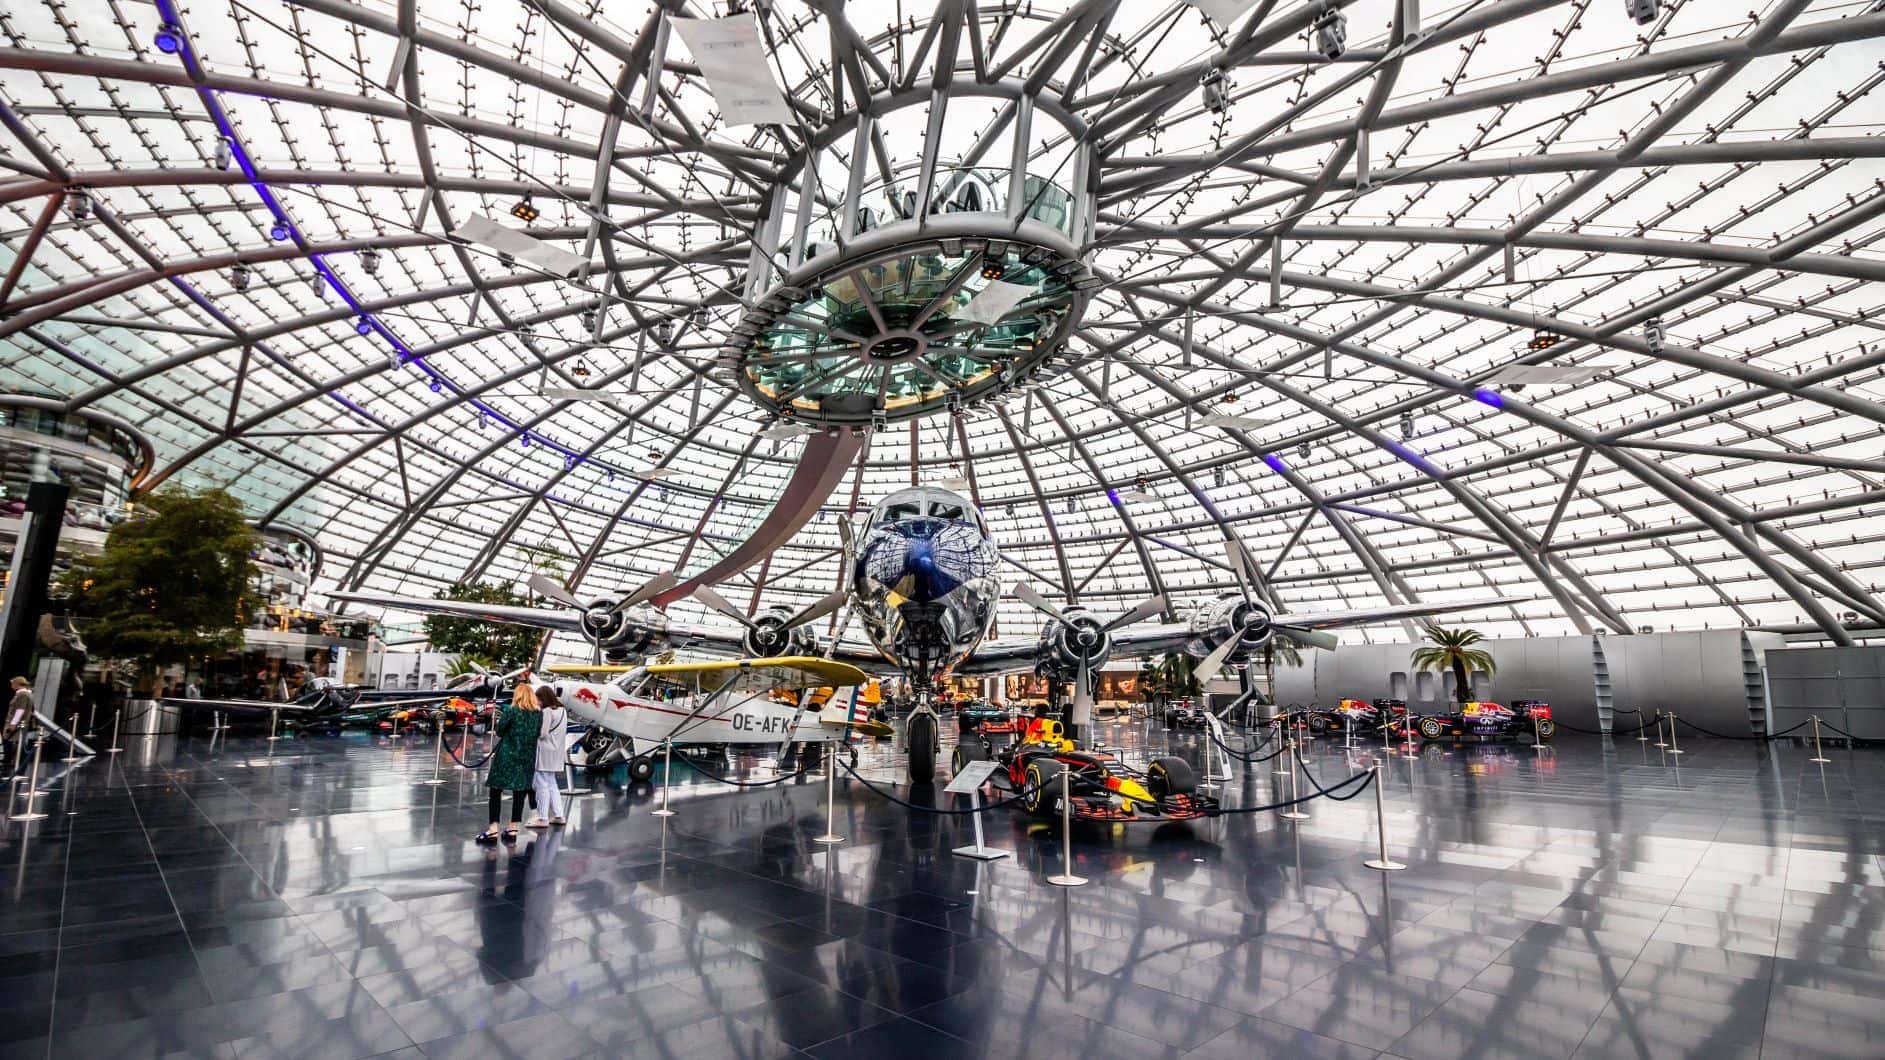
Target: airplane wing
782,671
537,617
246,704
1140,641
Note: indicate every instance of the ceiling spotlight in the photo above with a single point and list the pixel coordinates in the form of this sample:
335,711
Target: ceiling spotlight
239,277
588,318
698,317
1216,90
278,231
525,210
435,386
1230,398
1653,334
169,38
580,371
1643,11
1332,34
363,326
1543,340
1217,477
662,330
224,153
318,284
1407,426
79,205
993,267
1302,451
1140,483
370,261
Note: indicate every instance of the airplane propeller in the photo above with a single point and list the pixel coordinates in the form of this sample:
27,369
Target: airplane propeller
598,616
1253,618
1086,640
773,629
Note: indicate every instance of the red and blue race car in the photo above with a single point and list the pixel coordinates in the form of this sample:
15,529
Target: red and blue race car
1101,787
1526,721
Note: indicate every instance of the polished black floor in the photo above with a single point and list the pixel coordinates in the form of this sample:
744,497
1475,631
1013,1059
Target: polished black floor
313,898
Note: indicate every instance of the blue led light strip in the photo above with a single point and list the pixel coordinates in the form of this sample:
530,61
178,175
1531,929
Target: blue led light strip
167,10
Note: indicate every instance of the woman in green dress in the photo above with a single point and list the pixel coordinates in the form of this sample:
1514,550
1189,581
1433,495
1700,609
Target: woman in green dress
513,760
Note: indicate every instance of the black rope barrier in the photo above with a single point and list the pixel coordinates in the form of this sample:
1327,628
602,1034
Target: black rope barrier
780,779
1725,736
1248,756
474,766
1326,792
1824,724
1614,731
1362,781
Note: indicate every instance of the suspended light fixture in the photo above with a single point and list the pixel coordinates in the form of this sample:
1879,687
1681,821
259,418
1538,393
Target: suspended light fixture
239,276
1216,90
588,319
1643,11
1543,340
525,210
662,330
363,326
580,370
1653,334
318,285
78,203
370,261
993,268
435,386
1217,477
1332,34
278,231
168,38
224,153
1407,426
1303,450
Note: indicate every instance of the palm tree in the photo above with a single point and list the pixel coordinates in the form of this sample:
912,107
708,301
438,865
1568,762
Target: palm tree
1452,649
1151,683
1178,676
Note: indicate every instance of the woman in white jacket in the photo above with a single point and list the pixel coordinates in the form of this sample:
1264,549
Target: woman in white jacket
552,753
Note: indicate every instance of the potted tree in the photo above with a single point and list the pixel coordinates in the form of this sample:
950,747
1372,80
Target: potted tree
172,585
1453,650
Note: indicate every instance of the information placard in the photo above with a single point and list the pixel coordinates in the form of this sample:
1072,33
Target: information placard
972,777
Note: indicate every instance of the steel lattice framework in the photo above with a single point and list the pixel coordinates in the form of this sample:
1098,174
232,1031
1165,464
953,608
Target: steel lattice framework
1321,302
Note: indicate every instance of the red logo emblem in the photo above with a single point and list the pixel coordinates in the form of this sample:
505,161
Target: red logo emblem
588,697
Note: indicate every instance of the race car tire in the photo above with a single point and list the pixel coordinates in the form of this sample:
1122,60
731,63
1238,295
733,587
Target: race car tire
641,769
1318,724
921,737
1170,776
1547,728
1043,786
1167,721
1431,729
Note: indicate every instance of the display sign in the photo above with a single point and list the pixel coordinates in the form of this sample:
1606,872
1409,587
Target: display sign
972,777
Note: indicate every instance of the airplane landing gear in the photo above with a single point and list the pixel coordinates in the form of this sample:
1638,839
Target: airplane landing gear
922,738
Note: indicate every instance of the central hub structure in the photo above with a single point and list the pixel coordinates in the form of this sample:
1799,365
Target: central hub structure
882,289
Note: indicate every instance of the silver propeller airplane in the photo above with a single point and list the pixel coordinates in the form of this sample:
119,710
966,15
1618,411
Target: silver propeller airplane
920,577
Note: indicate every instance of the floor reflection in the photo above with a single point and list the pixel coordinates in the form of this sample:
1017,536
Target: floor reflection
243,898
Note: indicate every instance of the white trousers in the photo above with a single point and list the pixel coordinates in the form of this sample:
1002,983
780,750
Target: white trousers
549,799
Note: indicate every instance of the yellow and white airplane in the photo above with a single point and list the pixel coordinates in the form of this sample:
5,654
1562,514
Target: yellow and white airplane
728,701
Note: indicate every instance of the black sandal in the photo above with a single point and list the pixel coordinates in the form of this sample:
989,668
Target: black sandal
486,838
510,835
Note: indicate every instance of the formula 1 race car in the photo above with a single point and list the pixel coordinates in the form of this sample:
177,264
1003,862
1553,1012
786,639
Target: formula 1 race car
972,714
1362,717
1102,787
1524,721
1182,715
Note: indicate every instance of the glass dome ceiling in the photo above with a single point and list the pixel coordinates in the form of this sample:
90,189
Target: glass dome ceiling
1520,296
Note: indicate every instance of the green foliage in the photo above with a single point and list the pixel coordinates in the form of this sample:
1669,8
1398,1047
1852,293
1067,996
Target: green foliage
1169,677
170,586
1452,649
465,665
500,645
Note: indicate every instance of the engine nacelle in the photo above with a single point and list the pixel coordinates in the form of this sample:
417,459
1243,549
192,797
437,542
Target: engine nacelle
1065,647
770,636
635,633
1231,616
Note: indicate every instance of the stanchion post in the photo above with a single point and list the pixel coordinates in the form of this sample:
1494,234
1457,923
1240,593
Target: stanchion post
667,778
1282,737
72,739
831,835
1383,863
1538,741
1642,731
438,752
32,785
1818,755
395,725
1673,749
1660,742
1066,878
1294,813
274,716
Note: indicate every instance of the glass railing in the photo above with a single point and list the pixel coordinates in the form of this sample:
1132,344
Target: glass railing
956,190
